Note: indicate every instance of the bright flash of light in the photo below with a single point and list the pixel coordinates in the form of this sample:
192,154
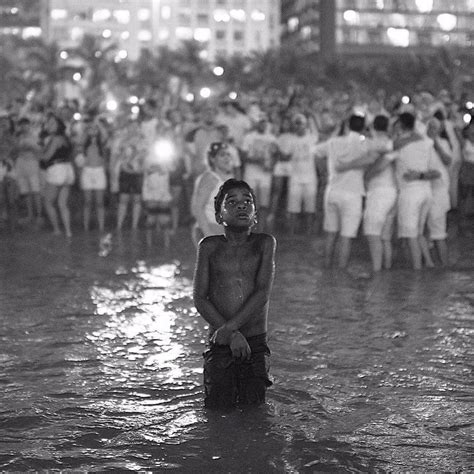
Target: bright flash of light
218,71
205,92
189,97
133,99
469,105
111,105
467,118
164,150
77,116
77,76
135,110
233,95
405,99
63,55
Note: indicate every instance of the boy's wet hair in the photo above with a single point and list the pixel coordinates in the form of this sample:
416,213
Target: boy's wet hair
356,123
226,187
407,120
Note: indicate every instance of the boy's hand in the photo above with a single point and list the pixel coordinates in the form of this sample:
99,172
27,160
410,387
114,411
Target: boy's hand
239,346
222,336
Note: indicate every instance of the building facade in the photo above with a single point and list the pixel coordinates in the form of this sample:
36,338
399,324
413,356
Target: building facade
224,27
377,26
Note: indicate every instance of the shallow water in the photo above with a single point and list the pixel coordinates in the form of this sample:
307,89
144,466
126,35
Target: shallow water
101,364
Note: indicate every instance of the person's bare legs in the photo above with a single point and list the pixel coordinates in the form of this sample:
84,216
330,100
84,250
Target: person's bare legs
329,246
100,209
50,195
64,212
86,212
376,251
344,251
415,252
136,210
122,209
425,251
442,251
387,253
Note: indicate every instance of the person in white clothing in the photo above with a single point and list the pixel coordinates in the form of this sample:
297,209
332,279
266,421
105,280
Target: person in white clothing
381,199
259,150
415,168
440,204
347,157
303,181
206,187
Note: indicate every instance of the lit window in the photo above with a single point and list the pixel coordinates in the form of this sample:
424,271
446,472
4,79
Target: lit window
106,34
293,23
399,36
306,32
238,14
144,35
122,16
31,32
221,15
166,12
163,34
257,15
184,33
202,34
398,20
351,17
125,35
76,33
58,14
144,14
101,15
424,6
446,21
380,4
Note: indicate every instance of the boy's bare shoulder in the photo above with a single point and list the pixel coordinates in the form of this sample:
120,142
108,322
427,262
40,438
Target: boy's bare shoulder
210,242
266,240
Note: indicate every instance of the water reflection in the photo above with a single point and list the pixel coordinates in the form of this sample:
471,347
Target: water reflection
102,369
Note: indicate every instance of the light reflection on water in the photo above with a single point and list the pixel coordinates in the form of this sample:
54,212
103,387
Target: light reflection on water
101,367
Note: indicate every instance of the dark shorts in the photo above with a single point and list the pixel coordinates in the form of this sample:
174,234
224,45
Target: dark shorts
229,381
130,183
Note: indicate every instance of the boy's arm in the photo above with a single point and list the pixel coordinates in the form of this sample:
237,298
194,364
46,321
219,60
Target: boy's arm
263,285
201,287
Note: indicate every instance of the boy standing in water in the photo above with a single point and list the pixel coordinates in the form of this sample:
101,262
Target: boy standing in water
232,284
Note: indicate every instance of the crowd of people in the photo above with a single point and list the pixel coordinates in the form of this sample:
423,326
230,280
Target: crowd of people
348,164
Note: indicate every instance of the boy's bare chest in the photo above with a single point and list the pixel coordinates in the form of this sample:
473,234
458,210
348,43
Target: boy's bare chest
236,260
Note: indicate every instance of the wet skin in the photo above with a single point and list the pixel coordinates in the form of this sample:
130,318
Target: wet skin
234,273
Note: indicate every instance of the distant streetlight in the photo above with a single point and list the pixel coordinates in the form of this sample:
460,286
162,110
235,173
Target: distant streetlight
232,95
63,55
189,97
77,76
205,92
111,105
405,99
218,71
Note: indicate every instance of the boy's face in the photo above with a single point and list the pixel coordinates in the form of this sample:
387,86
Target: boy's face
238,209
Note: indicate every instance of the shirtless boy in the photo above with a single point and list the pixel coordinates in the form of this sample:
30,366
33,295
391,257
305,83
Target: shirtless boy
232,285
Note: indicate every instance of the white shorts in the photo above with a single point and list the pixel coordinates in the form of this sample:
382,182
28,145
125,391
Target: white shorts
60,174
437,216
93,178
379,213
302,196
282,168
342,212
261,183
412,211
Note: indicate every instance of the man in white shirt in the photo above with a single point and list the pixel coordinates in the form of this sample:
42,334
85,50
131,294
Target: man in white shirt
259,149
415,168
347,157
303,181
381,199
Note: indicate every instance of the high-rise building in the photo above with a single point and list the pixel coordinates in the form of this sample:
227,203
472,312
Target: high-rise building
21,18
224,27
377,26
